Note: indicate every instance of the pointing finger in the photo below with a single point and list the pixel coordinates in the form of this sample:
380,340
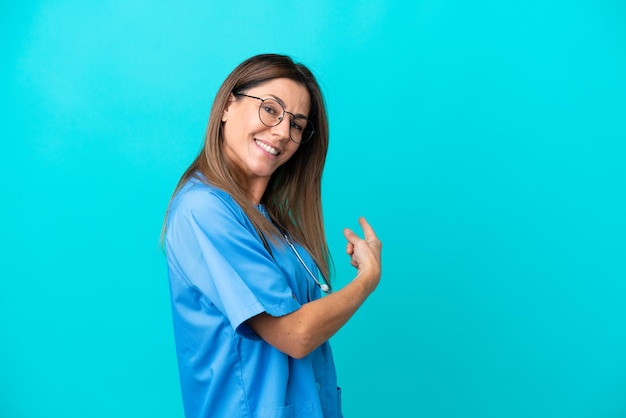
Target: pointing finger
368,231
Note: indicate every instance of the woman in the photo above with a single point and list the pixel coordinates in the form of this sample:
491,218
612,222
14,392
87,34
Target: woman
247,256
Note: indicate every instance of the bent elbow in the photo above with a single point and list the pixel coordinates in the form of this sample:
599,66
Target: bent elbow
299,353
289,335
302,345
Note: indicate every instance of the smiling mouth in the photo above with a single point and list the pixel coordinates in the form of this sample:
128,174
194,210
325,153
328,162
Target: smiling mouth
266,147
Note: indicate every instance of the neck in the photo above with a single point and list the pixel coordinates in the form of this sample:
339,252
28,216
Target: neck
256,189
253,186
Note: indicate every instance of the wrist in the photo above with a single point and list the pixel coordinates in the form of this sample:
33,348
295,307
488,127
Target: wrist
369,279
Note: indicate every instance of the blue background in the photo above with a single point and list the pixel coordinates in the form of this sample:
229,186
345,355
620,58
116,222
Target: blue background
484,141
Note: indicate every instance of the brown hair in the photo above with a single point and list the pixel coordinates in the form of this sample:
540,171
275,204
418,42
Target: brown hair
293,196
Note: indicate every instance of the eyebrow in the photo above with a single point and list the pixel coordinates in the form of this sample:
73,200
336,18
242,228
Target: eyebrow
279,100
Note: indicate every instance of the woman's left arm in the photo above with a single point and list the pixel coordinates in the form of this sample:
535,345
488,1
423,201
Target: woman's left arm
302,331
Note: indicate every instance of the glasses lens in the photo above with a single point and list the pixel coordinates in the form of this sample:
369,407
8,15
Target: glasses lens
271,112
301,130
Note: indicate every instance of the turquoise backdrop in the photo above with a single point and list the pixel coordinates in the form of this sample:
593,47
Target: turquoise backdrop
484,140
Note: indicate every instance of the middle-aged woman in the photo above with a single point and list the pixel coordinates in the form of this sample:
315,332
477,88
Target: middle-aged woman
247,254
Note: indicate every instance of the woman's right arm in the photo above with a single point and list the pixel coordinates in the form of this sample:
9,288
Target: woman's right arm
302,331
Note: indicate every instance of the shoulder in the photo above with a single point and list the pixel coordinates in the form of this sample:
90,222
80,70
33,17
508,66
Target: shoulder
199,197
199,206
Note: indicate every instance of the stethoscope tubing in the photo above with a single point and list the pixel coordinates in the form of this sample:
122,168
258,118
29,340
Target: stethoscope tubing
323,286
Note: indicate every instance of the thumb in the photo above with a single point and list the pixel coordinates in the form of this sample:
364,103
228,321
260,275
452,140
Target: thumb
350,236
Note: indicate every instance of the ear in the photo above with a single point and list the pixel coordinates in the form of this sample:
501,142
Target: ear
229,102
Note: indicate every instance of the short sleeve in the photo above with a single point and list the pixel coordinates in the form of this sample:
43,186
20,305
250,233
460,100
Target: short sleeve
213,247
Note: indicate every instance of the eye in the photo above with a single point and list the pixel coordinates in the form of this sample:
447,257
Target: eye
271,108
298,124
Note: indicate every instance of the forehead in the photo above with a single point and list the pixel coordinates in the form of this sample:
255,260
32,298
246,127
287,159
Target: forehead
292,95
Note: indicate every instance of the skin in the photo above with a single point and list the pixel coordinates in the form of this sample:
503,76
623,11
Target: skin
243,131
300,332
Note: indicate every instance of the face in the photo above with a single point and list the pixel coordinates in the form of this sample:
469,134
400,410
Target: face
257,149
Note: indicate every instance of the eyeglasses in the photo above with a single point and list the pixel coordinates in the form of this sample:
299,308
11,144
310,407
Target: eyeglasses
271,113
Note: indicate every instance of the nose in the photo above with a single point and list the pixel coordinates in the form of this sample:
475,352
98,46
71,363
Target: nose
282,129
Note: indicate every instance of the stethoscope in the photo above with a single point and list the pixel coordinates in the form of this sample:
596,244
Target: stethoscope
323,286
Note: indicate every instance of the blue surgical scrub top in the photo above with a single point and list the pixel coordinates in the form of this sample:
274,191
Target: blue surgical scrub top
221,274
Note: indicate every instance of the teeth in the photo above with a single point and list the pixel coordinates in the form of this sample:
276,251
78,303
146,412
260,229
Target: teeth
266,147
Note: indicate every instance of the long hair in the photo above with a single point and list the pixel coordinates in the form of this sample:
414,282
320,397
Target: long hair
293,197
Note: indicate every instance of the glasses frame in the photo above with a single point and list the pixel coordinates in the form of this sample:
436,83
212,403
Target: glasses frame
281,117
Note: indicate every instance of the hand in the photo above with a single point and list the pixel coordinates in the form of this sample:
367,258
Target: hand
365,253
